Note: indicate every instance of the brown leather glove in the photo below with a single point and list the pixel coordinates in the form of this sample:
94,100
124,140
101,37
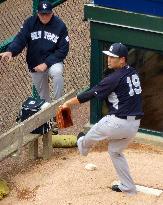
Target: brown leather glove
63,117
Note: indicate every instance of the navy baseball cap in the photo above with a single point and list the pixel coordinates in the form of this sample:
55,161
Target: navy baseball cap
117,50
45,7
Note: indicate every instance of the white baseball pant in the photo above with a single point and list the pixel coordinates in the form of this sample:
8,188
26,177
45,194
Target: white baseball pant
120,133
41,81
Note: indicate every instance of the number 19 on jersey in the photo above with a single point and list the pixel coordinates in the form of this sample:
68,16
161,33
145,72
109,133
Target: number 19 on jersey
134,85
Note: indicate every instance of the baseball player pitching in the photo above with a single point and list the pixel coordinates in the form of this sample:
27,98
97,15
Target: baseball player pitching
122,91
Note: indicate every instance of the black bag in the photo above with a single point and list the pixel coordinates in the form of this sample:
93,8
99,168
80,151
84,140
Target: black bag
29,108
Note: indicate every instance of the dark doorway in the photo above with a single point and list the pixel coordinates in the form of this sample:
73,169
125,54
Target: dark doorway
150,66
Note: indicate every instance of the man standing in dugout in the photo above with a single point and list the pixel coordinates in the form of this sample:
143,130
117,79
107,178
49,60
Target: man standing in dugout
46,38
122,91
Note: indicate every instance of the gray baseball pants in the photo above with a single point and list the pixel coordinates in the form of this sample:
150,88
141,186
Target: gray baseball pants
120,133
41,81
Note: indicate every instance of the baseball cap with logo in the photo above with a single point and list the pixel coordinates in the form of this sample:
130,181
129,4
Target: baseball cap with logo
45,7
117,50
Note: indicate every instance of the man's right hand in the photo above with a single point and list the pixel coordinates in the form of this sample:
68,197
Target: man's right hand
6,56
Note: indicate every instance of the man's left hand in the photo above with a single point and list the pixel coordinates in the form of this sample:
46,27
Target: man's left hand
41,68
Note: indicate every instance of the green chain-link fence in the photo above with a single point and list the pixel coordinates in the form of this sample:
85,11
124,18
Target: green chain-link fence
15,81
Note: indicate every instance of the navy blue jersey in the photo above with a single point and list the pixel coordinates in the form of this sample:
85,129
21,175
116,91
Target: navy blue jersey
45,43
121,90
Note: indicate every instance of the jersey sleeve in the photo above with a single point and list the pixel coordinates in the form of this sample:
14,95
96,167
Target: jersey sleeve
20,40
100,91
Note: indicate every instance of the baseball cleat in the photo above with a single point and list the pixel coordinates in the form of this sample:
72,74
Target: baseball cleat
116,188
81,134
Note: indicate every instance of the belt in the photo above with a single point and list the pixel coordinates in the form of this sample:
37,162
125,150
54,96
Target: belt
138,117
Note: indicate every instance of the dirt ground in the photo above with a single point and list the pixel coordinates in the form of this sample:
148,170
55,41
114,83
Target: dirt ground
63,180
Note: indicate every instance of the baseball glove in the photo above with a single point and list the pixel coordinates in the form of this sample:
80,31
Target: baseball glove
63,117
